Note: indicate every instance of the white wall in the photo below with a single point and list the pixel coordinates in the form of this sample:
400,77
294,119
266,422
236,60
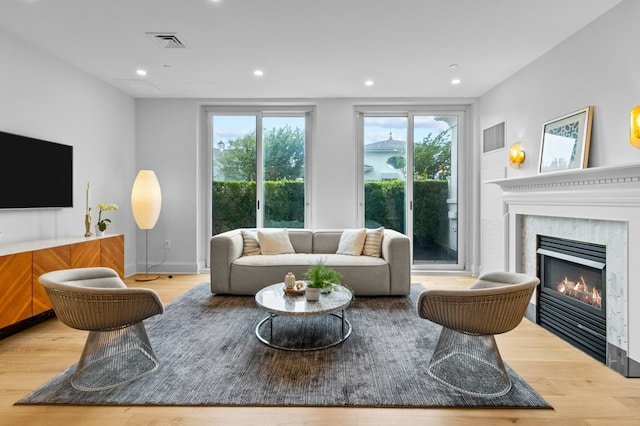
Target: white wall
167,143
597,66
334,167
42,97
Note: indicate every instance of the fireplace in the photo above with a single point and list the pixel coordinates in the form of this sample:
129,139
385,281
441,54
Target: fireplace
572,295
599,205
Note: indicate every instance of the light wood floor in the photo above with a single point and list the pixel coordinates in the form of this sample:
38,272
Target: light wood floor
581,390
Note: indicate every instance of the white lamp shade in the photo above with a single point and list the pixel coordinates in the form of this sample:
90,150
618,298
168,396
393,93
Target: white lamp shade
146,199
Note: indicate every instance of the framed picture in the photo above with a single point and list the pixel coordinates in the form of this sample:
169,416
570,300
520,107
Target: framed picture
565,142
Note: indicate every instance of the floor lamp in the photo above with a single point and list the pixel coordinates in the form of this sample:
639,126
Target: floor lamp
146,201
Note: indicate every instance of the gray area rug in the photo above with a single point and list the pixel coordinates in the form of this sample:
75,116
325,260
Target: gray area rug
210,356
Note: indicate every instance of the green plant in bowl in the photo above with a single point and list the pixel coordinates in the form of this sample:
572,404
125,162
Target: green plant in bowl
321,276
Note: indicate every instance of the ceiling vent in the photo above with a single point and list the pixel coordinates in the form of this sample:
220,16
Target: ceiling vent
167,40
139,86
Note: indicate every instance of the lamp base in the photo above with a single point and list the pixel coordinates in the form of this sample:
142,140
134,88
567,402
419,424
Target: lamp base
145,277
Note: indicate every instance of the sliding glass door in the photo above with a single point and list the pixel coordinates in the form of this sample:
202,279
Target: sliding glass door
385,171
410,181
258,169
435,190
283,179
235,172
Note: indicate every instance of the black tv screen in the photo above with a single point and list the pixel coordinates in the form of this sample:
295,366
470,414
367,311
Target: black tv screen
34,173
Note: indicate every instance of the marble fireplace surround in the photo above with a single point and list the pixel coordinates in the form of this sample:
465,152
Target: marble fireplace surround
599,205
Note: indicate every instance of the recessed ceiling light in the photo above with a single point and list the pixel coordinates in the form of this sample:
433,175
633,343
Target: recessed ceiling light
453,66
141,72
455,81
368,83
258,73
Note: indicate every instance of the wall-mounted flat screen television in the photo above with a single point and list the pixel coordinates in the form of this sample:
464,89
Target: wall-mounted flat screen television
34,173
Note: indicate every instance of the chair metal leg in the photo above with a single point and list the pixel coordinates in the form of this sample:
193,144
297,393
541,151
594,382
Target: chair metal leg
470,364
114,357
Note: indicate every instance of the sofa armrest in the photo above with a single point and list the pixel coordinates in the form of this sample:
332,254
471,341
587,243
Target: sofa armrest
396,251
225,248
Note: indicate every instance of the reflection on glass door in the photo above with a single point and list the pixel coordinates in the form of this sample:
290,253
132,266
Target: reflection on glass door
385,172
424,206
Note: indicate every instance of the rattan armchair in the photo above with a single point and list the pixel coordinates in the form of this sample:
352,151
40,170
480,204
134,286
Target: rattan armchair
466,356
117,349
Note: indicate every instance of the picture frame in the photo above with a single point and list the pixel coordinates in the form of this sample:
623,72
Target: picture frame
565,142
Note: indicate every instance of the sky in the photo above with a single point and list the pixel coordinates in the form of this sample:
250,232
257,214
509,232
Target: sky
227,127
377,129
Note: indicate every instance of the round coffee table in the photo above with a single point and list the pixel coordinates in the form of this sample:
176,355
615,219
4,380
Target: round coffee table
278,303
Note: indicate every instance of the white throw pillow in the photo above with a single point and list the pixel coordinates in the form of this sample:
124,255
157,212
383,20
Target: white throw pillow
373,242
251,246
352,242
274,241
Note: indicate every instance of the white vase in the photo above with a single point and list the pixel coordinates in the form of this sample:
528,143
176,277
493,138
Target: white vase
100,233
312,294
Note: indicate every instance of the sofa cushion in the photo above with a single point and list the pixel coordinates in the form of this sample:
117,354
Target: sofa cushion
368,276
274,241
307,260
301,240
326,240
373,242
351,242
297,259
251,246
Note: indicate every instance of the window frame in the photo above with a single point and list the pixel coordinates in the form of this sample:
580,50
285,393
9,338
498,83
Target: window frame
412,111
206,150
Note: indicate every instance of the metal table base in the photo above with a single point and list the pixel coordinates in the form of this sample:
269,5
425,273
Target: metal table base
344,335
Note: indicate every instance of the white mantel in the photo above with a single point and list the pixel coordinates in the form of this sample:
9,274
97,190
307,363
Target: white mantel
615,184
593,202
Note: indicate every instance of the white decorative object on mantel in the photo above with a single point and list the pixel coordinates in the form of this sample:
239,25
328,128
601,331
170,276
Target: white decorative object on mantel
599,204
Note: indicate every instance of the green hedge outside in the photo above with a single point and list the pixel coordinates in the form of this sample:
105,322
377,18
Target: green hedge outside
234,206
385,205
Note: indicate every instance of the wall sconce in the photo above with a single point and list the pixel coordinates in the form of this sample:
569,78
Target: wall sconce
516,155
634,129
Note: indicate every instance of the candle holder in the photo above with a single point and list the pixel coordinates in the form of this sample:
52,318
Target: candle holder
87,224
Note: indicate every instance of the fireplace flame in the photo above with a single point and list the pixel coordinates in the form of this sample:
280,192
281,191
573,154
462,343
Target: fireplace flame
579,290
562,285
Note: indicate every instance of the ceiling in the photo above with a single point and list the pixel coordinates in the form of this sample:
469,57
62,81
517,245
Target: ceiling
307,49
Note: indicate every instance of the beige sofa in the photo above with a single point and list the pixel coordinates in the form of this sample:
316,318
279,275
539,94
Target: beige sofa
233,273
